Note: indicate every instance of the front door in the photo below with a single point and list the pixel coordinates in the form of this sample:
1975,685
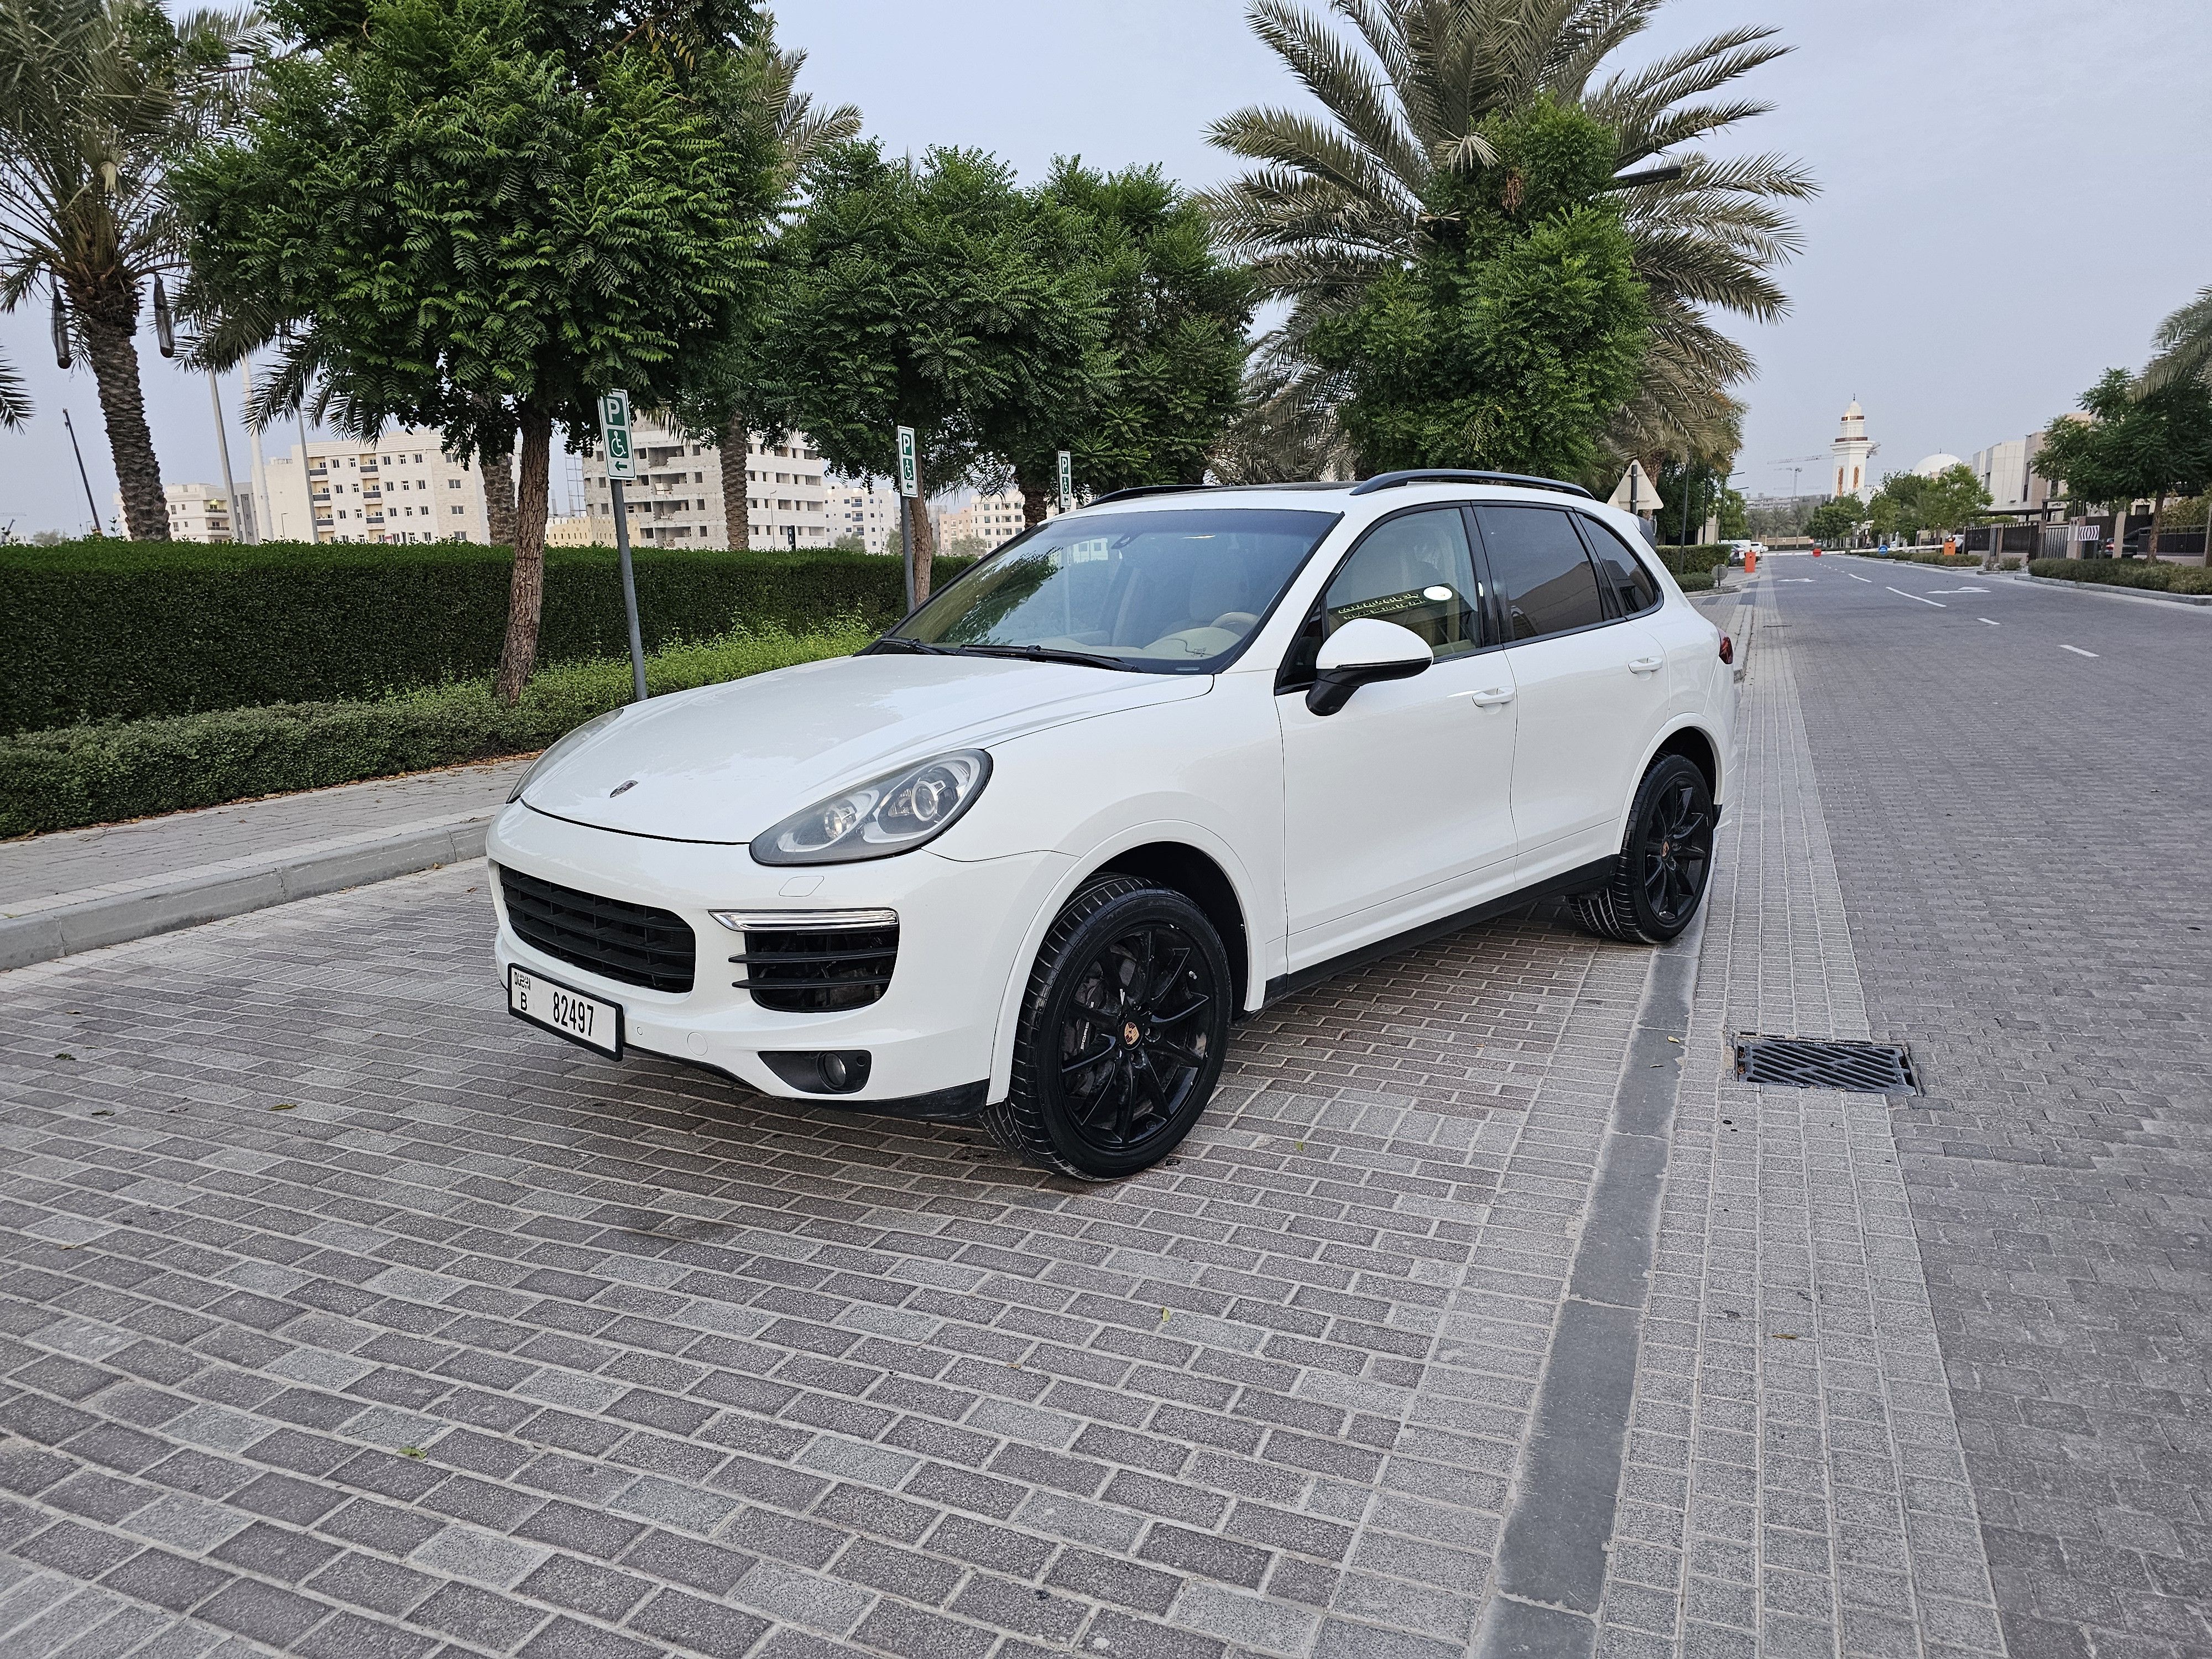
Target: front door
1399,806
1592,690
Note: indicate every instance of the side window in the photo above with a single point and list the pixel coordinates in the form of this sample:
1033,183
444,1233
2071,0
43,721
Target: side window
1415,570
1544,579
1624,573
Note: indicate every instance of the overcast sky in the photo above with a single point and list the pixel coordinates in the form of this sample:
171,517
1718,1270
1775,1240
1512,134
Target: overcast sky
2013,194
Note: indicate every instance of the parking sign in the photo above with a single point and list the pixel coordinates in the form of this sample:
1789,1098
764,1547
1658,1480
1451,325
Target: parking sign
1066,482
910,468
614,434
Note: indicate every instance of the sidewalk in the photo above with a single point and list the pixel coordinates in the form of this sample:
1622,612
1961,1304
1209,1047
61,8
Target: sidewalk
61,893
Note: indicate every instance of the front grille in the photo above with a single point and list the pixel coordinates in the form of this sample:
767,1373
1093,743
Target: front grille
632,943
1866,1068
817,971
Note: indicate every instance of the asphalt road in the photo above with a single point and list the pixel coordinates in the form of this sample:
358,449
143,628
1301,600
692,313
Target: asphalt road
2016,785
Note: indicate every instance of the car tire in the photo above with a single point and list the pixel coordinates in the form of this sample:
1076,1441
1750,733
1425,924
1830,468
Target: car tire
1122,1031
1659,877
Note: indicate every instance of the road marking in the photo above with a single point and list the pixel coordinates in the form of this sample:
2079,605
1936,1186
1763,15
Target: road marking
1855,577
2077,650
1957,590
1993,624
1902,594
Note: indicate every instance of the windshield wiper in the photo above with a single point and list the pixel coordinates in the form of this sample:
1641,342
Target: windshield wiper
1044,654
899,642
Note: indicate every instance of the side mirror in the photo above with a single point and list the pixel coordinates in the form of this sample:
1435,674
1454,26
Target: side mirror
1360,653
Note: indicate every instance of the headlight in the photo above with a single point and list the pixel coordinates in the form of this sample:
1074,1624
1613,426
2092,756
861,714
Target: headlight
566,747
886,815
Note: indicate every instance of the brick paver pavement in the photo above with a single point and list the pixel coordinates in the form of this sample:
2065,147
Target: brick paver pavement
2019,829
1795,1483
344,1317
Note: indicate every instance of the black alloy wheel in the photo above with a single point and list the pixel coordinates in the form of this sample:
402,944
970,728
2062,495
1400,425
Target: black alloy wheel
1666,860
1123,1032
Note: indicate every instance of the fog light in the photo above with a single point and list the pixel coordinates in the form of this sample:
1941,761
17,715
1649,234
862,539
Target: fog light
822,1070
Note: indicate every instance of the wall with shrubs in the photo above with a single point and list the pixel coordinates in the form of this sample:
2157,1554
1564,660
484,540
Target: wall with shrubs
106,630
2126,573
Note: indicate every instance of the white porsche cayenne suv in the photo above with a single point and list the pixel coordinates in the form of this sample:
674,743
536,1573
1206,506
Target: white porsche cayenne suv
1153,764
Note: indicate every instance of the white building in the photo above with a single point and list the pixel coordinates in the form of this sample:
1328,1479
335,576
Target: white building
676,500
1850,451
2007,471
197,512
869,511
402,488
1936,465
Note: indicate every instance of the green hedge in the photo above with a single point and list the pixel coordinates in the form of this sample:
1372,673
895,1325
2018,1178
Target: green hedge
2126,573
98,630
97,773
1695,567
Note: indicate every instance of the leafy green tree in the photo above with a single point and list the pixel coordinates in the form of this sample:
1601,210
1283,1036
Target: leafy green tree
97,100
1176,317
936,297
15,400
1907,503
2144,443
1520,328
1835,520
478,215
1343,199
723,403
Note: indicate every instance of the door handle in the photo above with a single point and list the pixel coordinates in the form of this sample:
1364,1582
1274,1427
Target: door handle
1646,665
1492,698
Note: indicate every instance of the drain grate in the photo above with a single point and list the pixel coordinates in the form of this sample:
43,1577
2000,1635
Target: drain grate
1866,1068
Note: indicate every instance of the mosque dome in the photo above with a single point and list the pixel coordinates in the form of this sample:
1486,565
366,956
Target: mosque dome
1940,461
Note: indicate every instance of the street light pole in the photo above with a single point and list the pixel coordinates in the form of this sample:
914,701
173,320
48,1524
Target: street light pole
223,449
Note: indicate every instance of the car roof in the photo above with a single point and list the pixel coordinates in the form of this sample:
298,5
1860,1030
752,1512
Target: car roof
1359,499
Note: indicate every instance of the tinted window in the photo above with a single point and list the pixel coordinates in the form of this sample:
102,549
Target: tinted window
1544,578
1633,590
1417,571
1164,590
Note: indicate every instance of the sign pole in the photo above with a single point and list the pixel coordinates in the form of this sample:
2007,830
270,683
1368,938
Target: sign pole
909,483
622,463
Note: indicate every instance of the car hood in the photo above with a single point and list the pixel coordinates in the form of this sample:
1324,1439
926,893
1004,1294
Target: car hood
724,762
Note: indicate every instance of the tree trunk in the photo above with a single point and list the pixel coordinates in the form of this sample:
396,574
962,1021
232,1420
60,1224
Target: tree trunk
921,539
109,313
499,492
2157,522
526,595
1038,496
736,481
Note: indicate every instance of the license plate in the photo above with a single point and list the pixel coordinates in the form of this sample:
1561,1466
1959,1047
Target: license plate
571,1014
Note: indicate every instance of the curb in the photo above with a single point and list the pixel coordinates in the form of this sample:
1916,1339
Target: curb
2107,590
213,892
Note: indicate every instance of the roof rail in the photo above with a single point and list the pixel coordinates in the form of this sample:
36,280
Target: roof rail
1145,489
1460,475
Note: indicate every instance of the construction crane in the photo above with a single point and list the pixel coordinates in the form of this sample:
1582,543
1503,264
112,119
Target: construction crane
1796,464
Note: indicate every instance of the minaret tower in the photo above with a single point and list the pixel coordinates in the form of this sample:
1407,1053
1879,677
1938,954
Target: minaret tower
1850,452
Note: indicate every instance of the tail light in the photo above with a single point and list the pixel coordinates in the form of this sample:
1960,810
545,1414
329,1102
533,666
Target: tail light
1727,649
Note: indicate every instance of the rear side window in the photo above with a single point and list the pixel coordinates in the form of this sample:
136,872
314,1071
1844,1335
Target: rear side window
1624,573
1545,580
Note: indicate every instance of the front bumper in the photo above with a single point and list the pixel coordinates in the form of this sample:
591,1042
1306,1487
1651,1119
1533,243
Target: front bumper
935,1029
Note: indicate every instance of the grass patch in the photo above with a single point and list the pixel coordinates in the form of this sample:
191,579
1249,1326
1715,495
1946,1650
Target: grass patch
70,775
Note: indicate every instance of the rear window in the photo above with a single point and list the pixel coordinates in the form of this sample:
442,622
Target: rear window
1545,580
1623,572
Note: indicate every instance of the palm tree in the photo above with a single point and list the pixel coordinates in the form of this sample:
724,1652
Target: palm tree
2183,343
15,400
798,132
96,97
1337,202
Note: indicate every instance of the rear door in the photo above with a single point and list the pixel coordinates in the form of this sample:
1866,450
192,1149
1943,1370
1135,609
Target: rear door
1591,686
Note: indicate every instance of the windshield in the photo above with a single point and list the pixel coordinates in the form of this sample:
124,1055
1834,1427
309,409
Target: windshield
1173,590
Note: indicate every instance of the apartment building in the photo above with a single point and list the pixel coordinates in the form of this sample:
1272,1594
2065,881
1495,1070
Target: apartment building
990,520
402,488
676,500
870,511
197,512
